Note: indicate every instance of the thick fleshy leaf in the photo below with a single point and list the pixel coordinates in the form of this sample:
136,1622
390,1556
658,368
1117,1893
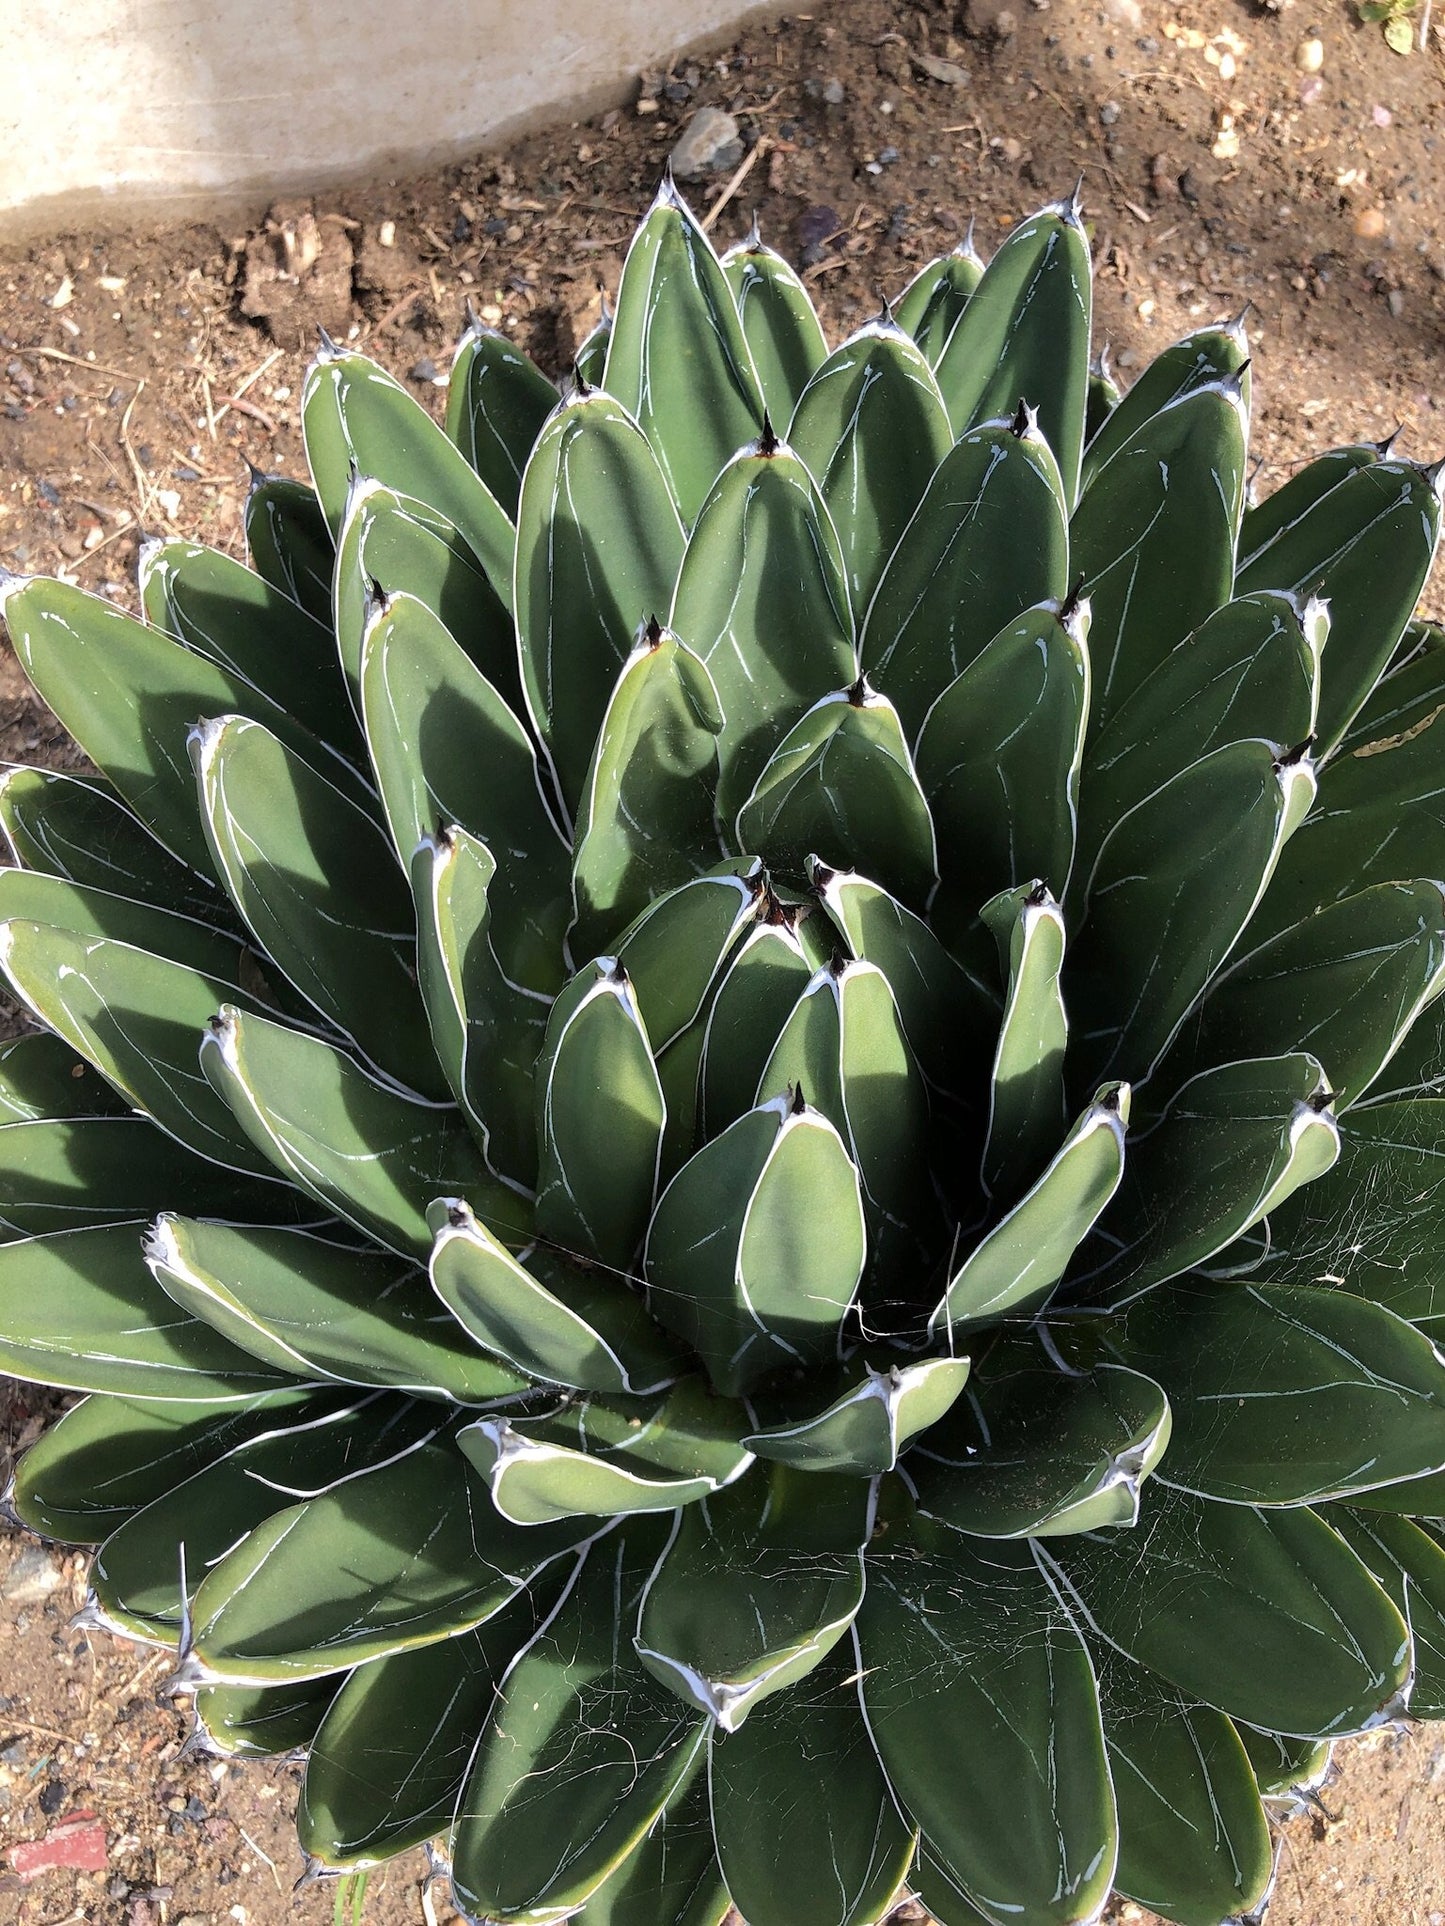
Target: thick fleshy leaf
1154,537
1034,1450
1231,1146
391,1756
599,544
358,421
372,1154
990,539
807,1830
678,359
430,716
30,896
1276,514
1366,548
600,1112
289,543
1194,1843
864,1428
1024,336
1105,394
137,1575
757,1245
110,1456
609,1457
321,1310
1173,888
1410,1564
759,985
138,1018
780,324
1016,1265
77,827
584,1751
756,1586
259,1722
557,1320
42,1079
842,782
1284,1767
645,823
392,545
310,874
930,306
672,1878
1284,1395
1264,1614
1200,360
674,950
762,597
872,429
400,1555
497,400
1027,1107
998,762
981,1701
590,362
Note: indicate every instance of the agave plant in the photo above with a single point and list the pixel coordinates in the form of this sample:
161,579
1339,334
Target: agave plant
737,1112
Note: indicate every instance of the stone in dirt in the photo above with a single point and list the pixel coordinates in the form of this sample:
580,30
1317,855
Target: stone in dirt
31,1579
709,141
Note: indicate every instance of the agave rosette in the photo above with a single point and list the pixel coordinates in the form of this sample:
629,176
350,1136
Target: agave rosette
737,1105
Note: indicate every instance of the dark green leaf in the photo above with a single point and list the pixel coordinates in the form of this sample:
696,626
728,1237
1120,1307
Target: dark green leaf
863,1430
30,896
42,1078
930,306
1276,514
1200,360
672,1878
258,1722
289,544
780,326
1410,1564
1027,1108
497,400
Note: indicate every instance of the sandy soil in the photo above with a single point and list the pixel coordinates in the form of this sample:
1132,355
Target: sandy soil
1225,159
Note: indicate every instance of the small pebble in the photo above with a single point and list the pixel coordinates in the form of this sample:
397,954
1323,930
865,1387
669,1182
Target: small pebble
33,1576
1109,112
1381,116
1370,223
423,370
834,93
710,140
1396,302
1311,90
1309,55
52,1798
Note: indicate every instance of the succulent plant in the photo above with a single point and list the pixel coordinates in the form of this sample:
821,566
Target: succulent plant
738,1104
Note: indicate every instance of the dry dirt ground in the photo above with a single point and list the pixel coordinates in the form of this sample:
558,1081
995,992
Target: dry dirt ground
1282,156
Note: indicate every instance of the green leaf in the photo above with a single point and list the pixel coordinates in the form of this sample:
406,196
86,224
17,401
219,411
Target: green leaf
590,363
998,762
110,1456
430,715
1267,1615
807,1830
1410,1564
370,1153
599,545
1104,395
260,1722
675,949
759,985
137,1574
871,428
1169,896
321,1310
552,1317
1194,1843
398,1556
391,545
1345,984
609,1457
238,620
762,597
1027,1106
780,324
672,1878
77,827
1024,336
1251,669
289,544
842,782
864,1429
1016,1265
359,422
678,359
311,875
1230,1147
43,1079
1267,520
104,1170
1284,1767
497,400
980,1698
645,822
600,1112
1201,360
930,306
1154,537
1037,1449
30,896
1365,547
1284,1395
756,1586
583,1754
138,1018
990,539
757,1245
389,1762
78,1308
487,1030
